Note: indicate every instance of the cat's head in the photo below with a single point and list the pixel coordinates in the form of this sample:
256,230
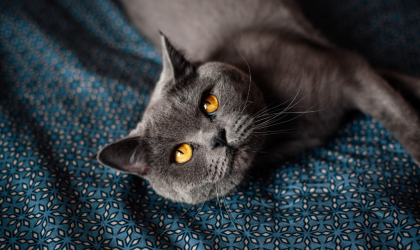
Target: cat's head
196,139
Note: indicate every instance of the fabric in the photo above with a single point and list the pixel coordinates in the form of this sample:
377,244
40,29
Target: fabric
75,75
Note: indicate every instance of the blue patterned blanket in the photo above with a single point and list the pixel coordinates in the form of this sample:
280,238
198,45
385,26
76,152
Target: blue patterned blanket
75,76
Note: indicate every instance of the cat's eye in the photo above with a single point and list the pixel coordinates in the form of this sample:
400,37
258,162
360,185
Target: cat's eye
210,104
183,153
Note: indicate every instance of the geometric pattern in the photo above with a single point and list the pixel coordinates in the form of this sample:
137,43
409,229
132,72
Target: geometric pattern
75,75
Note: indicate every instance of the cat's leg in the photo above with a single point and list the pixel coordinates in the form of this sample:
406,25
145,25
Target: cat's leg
407,85
371,94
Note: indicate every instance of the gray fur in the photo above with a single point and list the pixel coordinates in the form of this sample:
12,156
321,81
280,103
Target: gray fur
271,71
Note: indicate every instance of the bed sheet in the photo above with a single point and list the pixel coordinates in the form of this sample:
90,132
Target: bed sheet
75,75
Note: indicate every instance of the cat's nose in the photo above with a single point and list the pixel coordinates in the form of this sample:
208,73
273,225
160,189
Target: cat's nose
220,139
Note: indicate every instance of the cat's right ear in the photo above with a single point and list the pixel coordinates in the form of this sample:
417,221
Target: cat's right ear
126,155
175,66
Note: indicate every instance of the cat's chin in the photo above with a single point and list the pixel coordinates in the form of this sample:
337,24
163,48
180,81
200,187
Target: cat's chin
241,161
219,187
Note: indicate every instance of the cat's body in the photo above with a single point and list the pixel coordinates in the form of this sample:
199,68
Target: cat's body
304,88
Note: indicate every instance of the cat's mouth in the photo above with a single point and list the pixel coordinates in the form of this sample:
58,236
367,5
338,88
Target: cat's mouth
234,161
223,166
243,157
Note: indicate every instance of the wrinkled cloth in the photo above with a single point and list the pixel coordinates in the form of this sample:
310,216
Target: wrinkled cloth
75,76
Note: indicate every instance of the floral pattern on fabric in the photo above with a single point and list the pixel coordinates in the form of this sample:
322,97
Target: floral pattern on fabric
75,76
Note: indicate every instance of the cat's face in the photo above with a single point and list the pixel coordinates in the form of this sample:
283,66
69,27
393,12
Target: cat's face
196,140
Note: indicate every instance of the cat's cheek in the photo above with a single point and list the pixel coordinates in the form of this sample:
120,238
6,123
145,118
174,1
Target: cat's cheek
218,164
239,130
244,158
173,188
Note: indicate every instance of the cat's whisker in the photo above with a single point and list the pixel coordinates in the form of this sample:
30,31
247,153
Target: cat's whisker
277,132
268,122
260,126
176,220
264,116
226,207
198,212
266,109
230,214
271,123
305,112
283,111
289,106
252,134
218,201
250,81
253,146
253,151
275,124
268,116
247,104
266,132
263,110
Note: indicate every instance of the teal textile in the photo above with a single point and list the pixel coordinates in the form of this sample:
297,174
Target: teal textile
75,75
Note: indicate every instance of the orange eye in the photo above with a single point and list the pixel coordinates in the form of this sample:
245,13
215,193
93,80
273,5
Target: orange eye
210,104
183,153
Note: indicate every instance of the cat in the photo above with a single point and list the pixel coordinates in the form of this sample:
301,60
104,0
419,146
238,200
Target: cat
253,83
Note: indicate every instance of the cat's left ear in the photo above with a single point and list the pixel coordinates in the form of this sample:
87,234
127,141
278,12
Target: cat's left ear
126,155
175,66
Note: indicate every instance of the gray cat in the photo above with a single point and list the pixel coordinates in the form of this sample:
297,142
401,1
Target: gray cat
260,84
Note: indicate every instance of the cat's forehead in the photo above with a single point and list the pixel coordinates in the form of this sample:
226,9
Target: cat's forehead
216,72
205,79
173,115
177,109
190,89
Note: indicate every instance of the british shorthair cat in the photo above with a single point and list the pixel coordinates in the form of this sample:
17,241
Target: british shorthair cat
246,82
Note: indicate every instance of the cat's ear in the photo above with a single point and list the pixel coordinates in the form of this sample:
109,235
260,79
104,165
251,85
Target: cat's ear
175,66
126,155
